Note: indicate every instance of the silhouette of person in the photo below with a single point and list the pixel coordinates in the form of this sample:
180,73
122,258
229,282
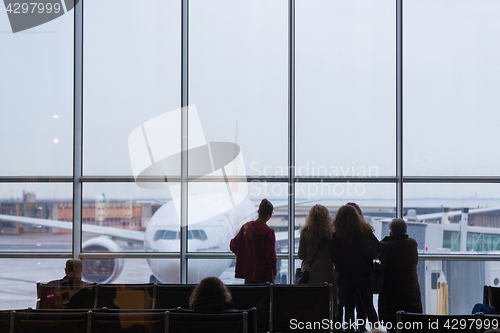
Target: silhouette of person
314,246
210,295
255,248
65,288
360,311
400,291
353,249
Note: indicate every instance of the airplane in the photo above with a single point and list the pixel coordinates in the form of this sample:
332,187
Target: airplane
162,234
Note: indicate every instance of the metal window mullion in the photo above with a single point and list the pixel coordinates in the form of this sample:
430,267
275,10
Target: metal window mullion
399,108
291,139
251,179
36,179
184,136
77,129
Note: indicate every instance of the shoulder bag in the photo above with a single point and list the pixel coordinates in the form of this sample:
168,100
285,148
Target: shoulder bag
302,277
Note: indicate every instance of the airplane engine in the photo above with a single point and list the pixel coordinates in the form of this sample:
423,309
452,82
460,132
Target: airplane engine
101,270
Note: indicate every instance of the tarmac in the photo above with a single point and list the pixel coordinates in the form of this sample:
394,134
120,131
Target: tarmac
18,277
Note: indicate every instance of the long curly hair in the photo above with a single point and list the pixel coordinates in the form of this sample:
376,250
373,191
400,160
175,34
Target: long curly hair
349,224
210,289
318,223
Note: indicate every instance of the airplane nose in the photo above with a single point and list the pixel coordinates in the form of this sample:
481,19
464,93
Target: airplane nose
166,270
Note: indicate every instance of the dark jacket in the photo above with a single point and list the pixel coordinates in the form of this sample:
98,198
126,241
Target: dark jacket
254,247
63,292
400,290
354,259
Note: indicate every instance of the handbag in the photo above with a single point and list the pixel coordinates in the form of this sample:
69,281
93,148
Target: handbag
302,276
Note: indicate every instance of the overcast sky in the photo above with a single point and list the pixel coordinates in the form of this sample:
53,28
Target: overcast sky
345,89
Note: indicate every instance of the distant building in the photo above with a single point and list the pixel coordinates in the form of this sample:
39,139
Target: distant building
117,214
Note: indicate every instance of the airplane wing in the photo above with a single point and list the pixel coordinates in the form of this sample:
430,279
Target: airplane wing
131,236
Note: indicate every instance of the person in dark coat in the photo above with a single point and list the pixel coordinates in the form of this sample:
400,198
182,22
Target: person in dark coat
353,248
255,248
400,291
69,286
360,312
210,295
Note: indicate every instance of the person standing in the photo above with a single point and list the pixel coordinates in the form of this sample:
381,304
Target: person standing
255,248
353,248
400,291
314,246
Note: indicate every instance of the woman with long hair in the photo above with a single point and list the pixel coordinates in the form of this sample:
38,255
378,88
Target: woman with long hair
210,295
353,248
314,246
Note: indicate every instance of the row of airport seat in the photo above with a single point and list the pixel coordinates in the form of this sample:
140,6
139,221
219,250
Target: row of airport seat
276,305
473,323
126,321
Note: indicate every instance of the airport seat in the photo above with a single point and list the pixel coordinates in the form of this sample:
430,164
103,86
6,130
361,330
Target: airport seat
106,310
491,296
5,320
49,322
417,322
198,322
171,296
304,303
128,322
125,296
61,310
51,296
251,313
488,322
253,296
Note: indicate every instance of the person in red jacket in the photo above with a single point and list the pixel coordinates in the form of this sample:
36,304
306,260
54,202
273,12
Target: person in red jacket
254,247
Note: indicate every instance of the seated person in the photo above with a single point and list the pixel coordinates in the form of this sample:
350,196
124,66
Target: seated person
64,289
210,295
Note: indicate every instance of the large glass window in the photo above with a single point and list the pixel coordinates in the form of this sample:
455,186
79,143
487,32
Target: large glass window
188,107
37,217
451,80
36,103
19,277
132,79
238,78
345,79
